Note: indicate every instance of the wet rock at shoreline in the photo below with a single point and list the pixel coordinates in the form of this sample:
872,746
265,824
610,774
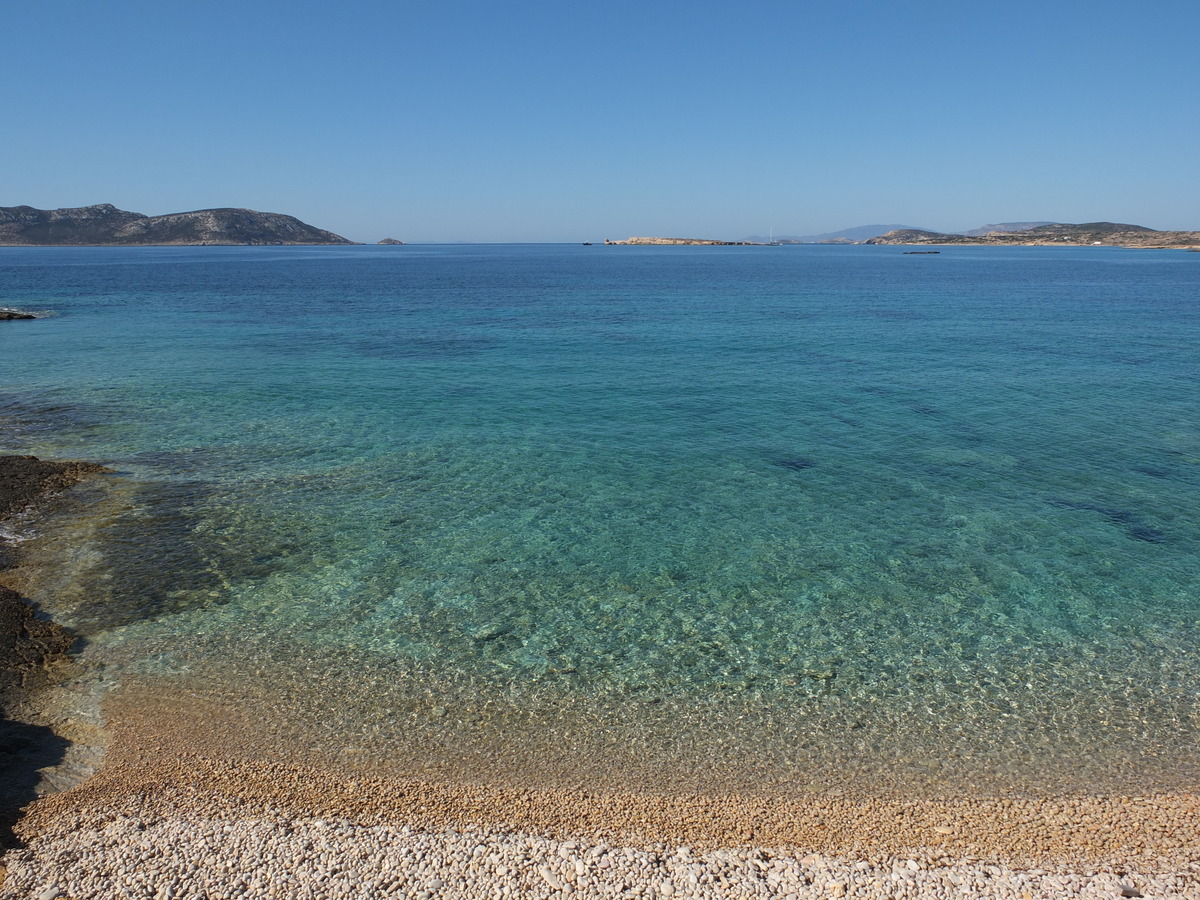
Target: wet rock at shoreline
35,653
31,647
23,479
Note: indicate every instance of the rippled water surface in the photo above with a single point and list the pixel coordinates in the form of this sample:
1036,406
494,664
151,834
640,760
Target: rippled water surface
784,509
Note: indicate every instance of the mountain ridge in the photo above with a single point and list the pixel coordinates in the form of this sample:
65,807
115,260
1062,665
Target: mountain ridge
103,224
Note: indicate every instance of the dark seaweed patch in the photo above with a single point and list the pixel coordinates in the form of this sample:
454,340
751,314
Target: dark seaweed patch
152,561
1147,534
158,563
1123,518
447,346
797,464
1153,471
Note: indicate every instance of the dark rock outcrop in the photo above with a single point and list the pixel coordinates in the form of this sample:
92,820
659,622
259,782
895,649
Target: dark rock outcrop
105,225
30,649
391,242
27,643
35,653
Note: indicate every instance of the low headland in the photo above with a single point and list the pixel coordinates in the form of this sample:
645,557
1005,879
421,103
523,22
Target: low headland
666,242
201,795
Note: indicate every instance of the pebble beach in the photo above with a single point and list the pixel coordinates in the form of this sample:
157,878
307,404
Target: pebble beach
220,851
168,815
273,856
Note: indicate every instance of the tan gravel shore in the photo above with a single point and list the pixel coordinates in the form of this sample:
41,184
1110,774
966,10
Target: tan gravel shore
261,853
177,812
133,836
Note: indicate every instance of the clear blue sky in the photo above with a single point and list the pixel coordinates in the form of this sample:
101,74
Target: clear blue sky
564,121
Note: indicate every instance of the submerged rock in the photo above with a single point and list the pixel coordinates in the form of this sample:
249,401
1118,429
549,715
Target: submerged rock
490,632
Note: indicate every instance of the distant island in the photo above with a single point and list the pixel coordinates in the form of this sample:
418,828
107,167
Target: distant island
1112,234
1033,233
104,225
855,235
1037,234
662,241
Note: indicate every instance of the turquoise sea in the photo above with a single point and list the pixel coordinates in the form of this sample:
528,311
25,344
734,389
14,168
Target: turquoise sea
728,517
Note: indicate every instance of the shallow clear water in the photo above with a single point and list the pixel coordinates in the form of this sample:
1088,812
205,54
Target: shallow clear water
947,502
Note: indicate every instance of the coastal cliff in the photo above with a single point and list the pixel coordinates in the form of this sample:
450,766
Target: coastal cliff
105,225
1110,234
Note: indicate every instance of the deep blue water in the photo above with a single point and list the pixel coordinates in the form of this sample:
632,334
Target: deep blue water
960,487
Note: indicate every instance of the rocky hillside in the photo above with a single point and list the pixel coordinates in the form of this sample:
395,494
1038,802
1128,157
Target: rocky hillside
105,225
1112,234
1005,226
